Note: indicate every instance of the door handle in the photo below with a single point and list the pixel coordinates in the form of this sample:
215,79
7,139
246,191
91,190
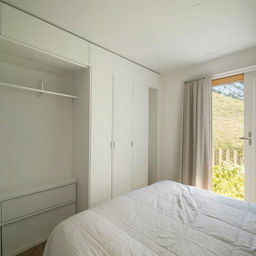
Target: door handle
244,138
112,144
248,139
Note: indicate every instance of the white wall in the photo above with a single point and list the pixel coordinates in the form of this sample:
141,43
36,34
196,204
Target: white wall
80,150
170,105
153,136
35,132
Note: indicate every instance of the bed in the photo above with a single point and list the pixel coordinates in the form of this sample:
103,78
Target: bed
166,218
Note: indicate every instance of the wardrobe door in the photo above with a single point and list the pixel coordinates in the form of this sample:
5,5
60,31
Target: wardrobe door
140,134
101,127
122,134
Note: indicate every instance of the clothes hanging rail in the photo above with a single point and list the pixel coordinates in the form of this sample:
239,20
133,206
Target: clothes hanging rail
40,91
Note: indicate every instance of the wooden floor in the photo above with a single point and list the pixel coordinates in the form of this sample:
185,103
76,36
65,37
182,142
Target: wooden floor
35,251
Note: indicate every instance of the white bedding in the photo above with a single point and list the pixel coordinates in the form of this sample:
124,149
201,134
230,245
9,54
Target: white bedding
166,218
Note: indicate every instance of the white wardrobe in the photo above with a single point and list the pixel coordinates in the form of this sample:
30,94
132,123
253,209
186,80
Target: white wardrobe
72,116
119,125
103,138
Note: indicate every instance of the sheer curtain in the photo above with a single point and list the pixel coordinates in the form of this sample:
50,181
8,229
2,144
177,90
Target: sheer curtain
196,134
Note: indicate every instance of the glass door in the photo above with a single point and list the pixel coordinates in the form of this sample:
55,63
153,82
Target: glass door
234,130
228,108
249,135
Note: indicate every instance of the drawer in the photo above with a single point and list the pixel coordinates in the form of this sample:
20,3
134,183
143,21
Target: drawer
24,234
35,33
29,204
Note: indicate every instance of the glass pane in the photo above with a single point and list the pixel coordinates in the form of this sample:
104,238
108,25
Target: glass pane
228,150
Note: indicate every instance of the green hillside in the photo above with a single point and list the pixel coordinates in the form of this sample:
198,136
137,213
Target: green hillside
228,122
228,125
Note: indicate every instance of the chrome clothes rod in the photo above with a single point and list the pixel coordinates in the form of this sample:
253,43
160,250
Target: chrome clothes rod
41,91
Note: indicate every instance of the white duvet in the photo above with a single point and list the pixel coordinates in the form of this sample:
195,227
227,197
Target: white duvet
166,218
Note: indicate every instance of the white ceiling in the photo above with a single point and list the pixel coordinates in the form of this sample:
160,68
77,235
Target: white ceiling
160,34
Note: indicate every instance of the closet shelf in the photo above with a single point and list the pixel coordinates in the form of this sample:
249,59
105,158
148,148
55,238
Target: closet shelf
41,91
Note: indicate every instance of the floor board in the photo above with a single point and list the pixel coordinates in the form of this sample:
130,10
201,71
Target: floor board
35,251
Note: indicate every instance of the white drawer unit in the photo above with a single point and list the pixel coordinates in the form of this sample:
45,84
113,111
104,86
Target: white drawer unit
27,205
28,215
21,235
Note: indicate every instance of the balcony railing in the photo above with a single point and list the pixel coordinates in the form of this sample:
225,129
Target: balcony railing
220,155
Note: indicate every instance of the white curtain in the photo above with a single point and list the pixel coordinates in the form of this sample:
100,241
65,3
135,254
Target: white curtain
196,134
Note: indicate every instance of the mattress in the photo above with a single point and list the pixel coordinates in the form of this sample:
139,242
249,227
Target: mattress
166,218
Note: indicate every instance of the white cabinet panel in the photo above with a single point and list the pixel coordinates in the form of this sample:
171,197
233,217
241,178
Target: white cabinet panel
146,76
140,134
119,113
33,32
153,137
21,235
0,34
122,134
101,126
26,205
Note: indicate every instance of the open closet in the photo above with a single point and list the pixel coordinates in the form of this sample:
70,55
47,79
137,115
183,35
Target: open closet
44,134
44,128
42,107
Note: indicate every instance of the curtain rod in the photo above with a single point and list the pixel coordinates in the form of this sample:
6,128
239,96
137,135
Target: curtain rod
234,72
196,79
228,73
